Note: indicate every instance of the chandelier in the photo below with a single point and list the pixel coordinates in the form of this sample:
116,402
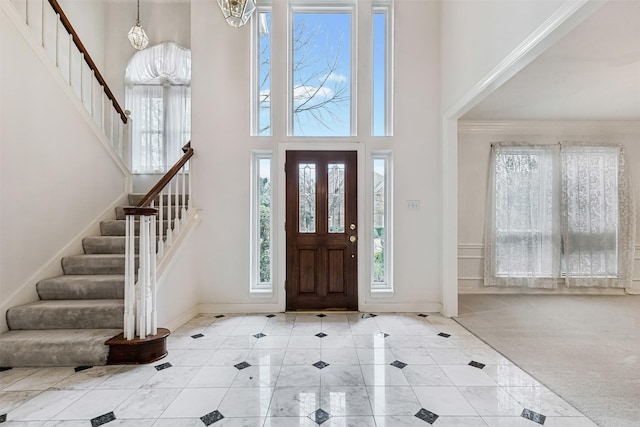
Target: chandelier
237,12
137,36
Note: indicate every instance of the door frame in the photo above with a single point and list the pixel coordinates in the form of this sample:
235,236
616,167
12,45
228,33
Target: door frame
364,222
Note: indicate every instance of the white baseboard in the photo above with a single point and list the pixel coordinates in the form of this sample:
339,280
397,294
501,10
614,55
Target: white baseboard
239,308
492,290
403,307
26,292
176,322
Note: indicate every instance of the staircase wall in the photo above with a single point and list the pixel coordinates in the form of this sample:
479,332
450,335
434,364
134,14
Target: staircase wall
57,177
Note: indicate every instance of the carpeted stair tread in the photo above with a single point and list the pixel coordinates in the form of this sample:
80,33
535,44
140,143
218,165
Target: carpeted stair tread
120,212
94,264
135,198
77,347
67,314
117,227
107,244
77,287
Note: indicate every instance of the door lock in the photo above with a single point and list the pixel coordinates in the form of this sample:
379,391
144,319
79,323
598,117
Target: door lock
352,238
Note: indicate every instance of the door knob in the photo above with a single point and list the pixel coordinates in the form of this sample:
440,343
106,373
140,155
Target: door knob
352,238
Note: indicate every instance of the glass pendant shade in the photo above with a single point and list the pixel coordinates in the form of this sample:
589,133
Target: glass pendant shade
138,37
237,12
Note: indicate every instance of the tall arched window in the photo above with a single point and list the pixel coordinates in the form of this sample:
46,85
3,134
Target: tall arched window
158,94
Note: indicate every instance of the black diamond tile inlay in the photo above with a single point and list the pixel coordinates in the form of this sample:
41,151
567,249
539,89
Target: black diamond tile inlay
423,315
427,416
367,315
219,316
477,364
442,334
3,418
398,364
320,364
533,416
260,335
240,366
271,315
196,336
321,335
103,419
320,416
82,368
382,334
211,418
5,368
163,366
321,315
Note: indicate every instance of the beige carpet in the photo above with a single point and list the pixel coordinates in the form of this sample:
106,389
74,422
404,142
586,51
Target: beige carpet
584,348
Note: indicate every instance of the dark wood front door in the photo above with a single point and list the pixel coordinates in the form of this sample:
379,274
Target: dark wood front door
322,230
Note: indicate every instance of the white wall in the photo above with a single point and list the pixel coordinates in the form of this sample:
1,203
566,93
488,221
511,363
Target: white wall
475,138
220,134
478,34
56,177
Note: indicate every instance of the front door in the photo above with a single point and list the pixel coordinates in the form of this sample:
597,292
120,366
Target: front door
322,230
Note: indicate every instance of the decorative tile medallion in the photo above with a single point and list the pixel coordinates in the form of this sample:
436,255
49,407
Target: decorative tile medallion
270,315
442,334
423,315
321,335
5,368
320,416
103,419
82,368
219,316
398,364
427,416
382,334
163,366
260,335
242,365
196,336
368,315
321,315
477,364
211,418
533,416
321,364
3,418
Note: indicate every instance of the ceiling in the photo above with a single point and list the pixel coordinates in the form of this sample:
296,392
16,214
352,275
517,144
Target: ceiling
593,73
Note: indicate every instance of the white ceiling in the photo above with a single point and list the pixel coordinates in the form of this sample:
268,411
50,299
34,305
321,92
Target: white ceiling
593,73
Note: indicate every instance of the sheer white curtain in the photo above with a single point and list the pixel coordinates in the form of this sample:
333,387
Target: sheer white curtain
598,216
556,211
522,235
158,95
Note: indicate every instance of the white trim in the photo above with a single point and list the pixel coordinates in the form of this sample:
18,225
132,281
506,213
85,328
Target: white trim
384,7
387,285
567,17
239,308
26,292
181,319
254,93
280,235
550,127
256,288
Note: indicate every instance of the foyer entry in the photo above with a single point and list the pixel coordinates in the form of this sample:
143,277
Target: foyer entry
321,230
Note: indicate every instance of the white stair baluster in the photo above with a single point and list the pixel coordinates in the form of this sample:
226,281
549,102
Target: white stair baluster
153,317
184,188
176,218
169,230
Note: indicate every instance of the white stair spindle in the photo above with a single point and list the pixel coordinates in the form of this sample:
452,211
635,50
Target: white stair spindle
70,60
184,192
130,297
161,227
26,12
57,39
82,77
143,276
190,187
176,218
153,318
42,24
169,230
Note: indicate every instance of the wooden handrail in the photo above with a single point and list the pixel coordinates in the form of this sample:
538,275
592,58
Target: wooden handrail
146,200
76,40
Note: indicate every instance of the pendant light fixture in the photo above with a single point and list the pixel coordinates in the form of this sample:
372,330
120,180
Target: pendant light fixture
237,12
137,36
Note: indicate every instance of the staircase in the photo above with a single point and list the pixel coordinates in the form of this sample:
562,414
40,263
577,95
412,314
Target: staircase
78,311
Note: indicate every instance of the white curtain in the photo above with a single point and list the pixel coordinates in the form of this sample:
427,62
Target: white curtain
598,216
522,233
159,98
556,211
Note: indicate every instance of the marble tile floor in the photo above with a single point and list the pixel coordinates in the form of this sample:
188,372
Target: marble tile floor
282,370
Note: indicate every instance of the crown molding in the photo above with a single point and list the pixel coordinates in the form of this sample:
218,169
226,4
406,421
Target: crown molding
550,127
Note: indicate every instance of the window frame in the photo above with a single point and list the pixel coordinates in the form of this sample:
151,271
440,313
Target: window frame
264,7
386,286
384,7
315,6
258,287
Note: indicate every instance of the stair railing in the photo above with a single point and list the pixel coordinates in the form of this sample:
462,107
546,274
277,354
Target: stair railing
62,45
140,314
